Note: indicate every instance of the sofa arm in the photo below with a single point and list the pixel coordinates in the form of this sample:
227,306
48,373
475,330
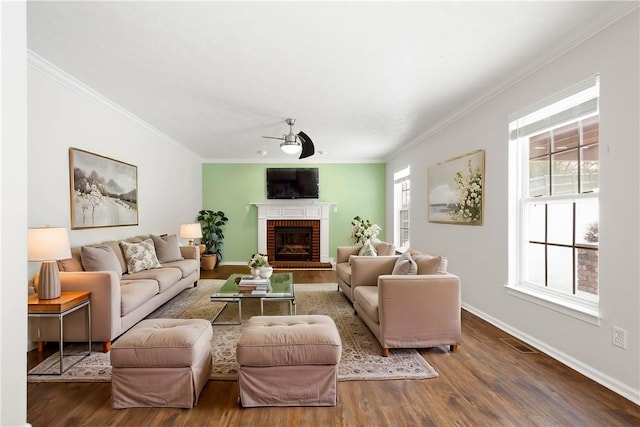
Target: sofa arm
344,252
424,307
190,252
366,269
105,301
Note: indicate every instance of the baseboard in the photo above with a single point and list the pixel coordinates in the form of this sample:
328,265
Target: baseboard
601,378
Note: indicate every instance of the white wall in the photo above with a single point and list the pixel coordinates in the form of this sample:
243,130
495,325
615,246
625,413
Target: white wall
64,113
13,215
479,254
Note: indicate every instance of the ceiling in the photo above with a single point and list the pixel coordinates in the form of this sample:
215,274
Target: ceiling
363,79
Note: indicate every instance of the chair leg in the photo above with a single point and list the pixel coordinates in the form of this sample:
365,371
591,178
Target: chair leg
385,351
453,348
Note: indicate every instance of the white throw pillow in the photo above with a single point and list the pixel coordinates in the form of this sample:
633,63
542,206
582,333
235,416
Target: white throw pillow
367,249
140,256
405,265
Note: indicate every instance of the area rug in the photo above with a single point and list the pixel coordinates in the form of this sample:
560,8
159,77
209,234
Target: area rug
361,353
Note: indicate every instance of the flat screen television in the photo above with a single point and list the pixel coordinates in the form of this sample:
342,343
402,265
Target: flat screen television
292,183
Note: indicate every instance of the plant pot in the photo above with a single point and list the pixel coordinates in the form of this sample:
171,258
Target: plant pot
266,272
208,261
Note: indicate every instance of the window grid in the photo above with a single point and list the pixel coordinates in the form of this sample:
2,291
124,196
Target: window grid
547,141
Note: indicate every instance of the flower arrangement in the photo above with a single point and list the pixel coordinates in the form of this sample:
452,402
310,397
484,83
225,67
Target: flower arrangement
363,230
469,206
258,261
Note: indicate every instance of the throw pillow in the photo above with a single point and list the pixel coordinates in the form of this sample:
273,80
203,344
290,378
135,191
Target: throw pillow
140,256
367,249
99,258
167,248
428,264
405,265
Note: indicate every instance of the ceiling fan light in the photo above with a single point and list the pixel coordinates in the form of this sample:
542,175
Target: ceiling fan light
290,147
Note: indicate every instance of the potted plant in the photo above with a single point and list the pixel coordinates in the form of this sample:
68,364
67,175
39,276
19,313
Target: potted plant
259,265
212,237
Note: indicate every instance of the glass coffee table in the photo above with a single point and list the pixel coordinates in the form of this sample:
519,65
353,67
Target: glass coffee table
280,288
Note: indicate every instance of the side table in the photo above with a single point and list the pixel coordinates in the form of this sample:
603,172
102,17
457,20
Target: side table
68,302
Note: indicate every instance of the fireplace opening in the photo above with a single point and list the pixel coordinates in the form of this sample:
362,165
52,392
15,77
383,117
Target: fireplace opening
293,243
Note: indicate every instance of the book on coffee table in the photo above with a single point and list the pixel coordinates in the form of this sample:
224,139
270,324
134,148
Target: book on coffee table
250,280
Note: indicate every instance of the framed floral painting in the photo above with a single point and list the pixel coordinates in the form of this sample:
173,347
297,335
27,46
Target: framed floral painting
104,191
456,190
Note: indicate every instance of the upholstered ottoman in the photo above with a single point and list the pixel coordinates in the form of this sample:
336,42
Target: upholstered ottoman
288,361
161,363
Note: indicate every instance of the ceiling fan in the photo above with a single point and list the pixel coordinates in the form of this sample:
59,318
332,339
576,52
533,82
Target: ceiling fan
292,143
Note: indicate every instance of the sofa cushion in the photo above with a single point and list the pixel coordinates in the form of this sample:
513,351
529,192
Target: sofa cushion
99,258
384,248
72,264
165,276
366,298
405,265
140,256
186,266
343,270
167,248
428,264
134,293
367,249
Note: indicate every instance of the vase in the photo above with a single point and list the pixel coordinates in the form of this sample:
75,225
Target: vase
266,272
255,272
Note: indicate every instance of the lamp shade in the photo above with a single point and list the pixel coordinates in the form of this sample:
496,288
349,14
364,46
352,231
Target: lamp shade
191,231
48,244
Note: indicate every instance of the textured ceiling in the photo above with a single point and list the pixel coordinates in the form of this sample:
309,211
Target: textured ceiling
362,79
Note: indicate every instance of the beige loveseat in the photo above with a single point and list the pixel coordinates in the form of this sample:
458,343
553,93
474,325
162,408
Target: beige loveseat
408,310
119,299
347,256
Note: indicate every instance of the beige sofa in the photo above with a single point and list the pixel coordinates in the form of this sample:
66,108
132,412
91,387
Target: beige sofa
118,301
345,259
408,310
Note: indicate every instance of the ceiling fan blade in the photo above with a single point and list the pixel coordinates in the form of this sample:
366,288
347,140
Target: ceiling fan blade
308,149
274,137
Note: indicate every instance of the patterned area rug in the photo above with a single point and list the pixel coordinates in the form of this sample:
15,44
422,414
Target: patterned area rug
361,359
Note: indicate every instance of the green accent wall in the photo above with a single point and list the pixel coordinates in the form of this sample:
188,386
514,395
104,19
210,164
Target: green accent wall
357,189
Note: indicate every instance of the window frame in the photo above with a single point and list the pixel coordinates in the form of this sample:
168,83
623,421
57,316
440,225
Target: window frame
582,306
402,194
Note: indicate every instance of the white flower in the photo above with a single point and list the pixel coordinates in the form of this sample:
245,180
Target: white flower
363,230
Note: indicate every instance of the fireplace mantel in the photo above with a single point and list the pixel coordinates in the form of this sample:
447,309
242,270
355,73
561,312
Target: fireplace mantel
295,210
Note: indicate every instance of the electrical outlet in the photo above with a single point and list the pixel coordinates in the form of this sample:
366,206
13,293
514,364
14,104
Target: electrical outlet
619,337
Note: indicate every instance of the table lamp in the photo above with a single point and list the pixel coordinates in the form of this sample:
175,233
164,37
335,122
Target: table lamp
190,232
48,245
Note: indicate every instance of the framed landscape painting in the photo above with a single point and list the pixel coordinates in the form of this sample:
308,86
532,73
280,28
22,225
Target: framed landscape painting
456,190
104,191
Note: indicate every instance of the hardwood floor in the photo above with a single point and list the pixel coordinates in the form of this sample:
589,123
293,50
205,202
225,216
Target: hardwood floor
485,383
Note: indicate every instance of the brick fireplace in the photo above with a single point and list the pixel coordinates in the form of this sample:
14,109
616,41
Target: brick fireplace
293,240
300,230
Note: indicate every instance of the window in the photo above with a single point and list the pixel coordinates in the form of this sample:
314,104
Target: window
556,196
401,193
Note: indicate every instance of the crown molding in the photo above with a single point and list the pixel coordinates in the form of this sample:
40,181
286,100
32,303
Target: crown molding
40,64
526,71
